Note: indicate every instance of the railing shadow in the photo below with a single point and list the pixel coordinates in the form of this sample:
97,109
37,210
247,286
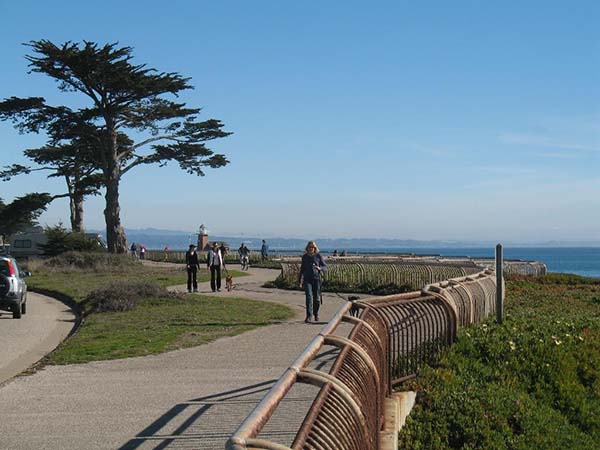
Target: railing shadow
200,423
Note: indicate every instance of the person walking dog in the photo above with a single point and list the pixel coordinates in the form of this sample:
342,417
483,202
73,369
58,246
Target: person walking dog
215,263
309,278
192,265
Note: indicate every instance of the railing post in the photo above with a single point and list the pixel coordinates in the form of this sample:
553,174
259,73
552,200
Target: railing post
499,283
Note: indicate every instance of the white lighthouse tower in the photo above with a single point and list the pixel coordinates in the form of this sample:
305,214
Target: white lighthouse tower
203,238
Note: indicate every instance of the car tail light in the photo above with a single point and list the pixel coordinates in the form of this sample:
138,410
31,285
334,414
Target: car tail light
11,269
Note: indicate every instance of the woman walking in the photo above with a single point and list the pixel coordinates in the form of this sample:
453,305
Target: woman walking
310,279
192,265
215,263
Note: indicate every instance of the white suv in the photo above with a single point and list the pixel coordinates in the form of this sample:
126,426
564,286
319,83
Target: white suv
13,289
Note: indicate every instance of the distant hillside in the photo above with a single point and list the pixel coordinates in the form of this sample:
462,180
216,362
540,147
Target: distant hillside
178,240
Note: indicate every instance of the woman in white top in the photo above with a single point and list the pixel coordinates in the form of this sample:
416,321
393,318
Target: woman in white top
214,264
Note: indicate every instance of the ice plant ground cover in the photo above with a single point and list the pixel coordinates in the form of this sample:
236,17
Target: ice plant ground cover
532,382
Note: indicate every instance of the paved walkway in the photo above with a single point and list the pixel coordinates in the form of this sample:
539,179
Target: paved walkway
25,341
185,399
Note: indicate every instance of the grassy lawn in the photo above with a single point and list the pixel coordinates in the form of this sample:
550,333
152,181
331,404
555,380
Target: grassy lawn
153,325
78,284
157,325
531,383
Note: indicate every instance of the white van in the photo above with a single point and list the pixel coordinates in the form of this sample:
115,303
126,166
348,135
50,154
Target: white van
28,243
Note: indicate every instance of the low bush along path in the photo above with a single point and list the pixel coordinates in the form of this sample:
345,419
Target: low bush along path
191,397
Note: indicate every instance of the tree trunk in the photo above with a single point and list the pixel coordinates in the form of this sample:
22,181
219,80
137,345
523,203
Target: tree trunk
115,234
76,206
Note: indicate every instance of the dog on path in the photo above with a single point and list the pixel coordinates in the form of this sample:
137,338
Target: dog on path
229,282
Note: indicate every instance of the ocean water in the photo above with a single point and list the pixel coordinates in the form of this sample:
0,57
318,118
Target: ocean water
583,261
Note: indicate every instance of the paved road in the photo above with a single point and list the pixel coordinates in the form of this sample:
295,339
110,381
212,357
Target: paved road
25,341
192,398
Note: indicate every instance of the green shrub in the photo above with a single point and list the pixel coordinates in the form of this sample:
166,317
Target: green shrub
267,264
59,240
85,261
281,283
123,296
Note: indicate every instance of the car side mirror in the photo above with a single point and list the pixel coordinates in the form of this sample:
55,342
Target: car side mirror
26,274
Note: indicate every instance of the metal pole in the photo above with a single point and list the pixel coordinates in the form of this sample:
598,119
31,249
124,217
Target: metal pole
499,283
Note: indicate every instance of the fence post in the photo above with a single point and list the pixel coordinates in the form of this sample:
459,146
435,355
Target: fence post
499,283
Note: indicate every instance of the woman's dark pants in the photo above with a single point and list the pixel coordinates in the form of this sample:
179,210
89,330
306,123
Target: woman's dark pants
215,273
192,271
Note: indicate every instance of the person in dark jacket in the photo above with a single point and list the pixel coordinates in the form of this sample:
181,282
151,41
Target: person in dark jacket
192,264
309,278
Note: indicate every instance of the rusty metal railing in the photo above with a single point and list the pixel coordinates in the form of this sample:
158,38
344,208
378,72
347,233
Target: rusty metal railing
412,272
390,340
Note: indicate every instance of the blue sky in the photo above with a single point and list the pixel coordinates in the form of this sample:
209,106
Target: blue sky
437,120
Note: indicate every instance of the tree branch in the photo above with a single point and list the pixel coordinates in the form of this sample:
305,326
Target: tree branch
152,139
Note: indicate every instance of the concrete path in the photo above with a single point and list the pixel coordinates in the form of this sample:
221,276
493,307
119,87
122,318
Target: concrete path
25,341
185,399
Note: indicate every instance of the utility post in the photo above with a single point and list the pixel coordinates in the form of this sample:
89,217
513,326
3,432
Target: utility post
499,284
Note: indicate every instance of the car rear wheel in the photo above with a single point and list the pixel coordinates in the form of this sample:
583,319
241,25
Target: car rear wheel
24,307
16,312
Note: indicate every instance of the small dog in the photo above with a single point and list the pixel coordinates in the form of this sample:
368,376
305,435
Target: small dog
354,310
229,282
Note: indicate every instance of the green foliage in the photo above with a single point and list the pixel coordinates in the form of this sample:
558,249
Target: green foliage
60,241
22,212
126,96
72,162
281,283
75,261
532,382
267,264
557,278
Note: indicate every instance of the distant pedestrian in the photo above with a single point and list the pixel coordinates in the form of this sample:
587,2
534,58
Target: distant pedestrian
309,278
142,251
264,250
335,253
133,249
215,264
224,251
166,250
192,264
